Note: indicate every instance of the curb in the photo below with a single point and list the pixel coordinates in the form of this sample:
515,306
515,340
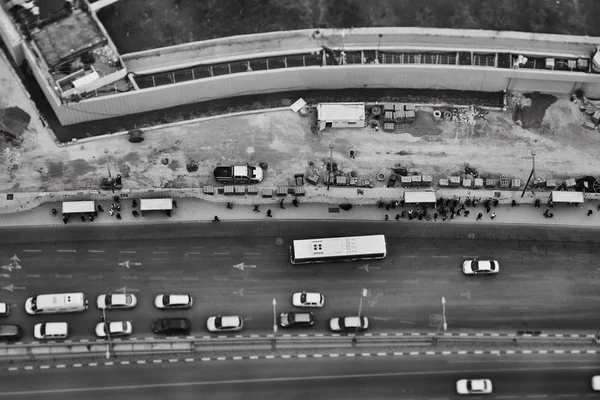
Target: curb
292,356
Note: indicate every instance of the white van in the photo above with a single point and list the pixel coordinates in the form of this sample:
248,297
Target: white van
56,303
51,330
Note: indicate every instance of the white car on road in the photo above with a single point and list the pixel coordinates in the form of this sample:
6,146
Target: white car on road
349,324
115,328
474,386
116,301
305,299
596,383
169,301
224,324
480,267
4,309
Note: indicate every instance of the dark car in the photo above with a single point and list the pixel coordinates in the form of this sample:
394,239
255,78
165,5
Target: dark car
172,326
10,332
296,320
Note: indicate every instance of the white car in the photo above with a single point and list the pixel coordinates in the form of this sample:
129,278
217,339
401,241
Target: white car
115,328
168,301
348,324
224,324
474,386
596,383
116,300
4,309
304,299
480,267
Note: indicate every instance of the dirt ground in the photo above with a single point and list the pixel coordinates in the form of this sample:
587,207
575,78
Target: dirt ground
495,147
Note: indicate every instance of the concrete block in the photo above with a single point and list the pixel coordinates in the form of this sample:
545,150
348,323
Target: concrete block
282,191
427,180
467,183
209,190
229,190
60,349
17,351
444,183
454,181
299,191
491,183
252,190
515,183
551,183
570,183
240,190
267,192
416,180
478,183
405,181
79,349
40,350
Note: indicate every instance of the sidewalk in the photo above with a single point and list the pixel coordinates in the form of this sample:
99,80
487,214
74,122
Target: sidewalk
324,208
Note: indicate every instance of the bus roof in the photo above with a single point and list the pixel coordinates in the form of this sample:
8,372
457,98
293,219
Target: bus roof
310,248
60,300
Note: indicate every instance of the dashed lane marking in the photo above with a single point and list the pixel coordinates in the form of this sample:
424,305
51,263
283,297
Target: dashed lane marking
441,256
128,251
160,252
193,252
95,276
220,254
158,278
191,278
33,276
67,251
31,250
283,254
57,276
130,278
96,251
252,254
407,256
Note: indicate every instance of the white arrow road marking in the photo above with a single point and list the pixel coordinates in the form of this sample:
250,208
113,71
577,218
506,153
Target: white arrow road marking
12,287
240,292
241,266
124,264
129,264
5,275
364,267
466,294
125,289
7,267
382,318
15,258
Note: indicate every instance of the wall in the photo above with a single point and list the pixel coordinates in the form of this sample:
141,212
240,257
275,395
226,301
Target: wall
335,77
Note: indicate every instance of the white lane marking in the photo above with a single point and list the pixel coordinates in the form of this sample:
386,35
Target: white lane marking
61,366
29,367
109,363
160,252
124,362
441,256
141,361
566,395
158,278
191,278
31,251
156,361
92,364
67,251
173,360
408,256
96,251
252,254
536,396
220,254
193,252
44,366
132,278
128,251
63,276
33,276
189,360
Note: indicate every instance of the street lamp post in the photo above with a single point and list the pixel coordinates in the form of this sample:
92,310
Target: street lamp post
107,328
107,165
533,159
444,312
363,293
330,171
274,315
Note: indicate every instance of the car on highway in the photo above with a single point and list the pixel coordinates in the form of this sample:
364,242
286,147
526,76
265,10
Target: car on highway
51,330
10,332
307,299
473,386
296,320
596,382
349,324
231,323
114,329
171,326
480,267
4,309
116,301
173,301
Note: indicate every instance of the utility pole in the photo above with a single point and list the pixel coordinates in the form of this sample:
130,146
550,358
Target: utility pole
330,171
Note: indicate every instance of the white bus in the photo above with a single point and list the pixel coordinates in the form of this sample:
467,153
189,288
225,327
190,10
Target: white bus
338,249
56,303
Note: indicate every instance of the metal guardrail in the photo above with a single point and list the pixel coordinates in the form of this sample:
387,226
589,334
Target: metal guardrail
33,351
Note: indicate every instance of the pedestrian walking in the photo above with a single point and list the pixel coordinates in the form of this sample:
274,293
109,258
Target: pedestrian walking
537,203
598,207
83,218
135,213
134,204
458,212
380,204
169,213
281,204
452,216
295,202
175,203
54,211
513,203
111,212
91,218
435,217
116,199
118,216
427,217
229,206
386,217
118,206
269,213
100,209
387,207
256,209
397,217
410,217
487,209
493,215
550,204
403,215
444,218
352,154
410,212
467,212
95,214
65,219
546,212
402,203
479,216
216,219
590,212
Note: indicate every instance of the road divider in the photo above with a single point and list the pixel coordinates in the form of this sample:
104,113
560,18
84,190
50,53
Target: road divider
200,345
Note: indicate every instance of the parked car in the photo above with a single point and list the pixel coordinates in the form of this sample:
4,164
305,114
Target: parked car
10,332
349,324
238,174
4,310
114,328
173,301
296,320
596,383
474,386
51,330
480,267
224,324
172,326
304,299
116,301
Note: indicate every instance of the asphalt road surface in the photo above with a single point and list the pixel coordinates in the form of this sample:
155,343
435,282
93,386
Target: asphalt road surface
429,377
549,277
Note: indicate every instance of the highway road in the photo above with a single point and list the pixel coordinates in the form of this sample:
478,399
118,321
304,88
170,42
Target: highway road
428,377
549,277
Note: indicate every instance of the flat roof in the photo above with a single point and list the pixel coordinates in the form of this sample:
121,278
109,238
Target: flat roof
156,204
68,37
419,197
341,111
567,197
339,246
73,207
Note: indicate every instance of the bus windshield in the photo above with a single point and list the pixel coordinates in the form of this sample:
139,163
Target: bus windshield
338,249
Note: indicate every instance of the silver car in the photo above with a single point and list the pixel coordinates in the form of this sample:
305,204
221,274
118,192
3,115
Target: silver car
480,267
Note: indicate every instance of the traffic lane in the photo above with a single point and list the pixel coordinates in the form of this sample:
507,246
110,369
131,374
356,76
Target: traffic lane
405,296
379,377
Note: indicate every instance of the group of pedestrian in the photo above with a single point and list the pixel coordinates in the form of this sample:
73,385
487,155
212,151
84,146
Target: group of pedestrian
256,208
444,209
